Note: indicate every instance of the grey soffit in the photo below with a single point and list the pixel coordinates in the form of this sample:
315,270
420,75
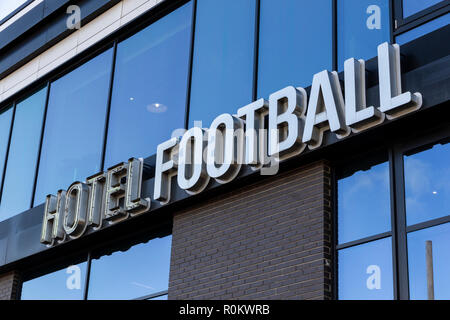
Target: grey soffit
40,28
21,233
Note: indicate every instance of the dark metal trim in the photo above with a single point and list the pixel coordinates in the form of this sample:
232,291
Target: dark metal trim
428,224
88,276
191,62
418,18
392,20
256,50
108,105
392,185
7,148
402,249
38,160
334,26
364,240
153,295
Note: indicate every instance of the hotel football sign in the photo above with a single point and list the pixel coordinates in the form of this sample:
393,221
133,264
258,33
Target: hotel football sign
294,123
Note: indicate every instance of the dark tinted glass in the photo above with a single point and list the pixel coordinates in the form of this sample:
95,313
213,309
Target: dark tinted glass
411,7
5,127
427,184
222,74
295,42
438,239
64,284
150,82
75,125
365,271
141,270
23,153
423,29
364,204
362,26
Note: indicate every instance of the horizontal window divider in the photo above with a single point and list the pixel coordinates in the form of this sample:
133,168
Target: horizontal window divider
364,240
428,224
422,18
153,295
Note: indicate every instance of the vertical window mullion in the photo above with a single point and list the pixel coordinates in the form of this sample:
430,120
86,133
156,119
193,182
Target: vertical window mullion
392,19
334,26
7,148
88,274
191,59
392,183
400,227
38,160
256,51
108,106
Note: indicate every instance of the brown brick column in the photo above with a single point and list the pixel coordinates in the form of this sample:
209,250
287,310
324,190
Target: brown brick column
10,286
268,240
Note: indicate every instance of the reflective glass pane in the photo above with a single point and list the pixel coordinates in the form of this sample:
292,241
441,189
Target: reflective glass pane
150,81
362,26
364,204
222,74
425,28
427,184
75,125
365,271
141,270
295,42
23,154
411,7
5,127
421,271
65,284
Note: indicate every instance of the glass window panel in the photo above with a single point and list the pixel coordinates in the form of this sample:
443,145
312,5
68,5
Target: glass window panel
222,74
365,271
411,7
65,284
422,30
23,154
150,82
440,257
362,26
364,204
427,184
141,270
5,128
295,42
75,125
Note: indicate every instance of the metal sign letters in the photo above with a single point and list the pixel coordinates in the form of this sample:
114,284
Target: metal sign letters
294,123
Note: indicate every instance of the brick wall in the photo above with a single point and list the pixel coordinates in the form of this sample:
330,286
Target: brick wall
269,240
10,286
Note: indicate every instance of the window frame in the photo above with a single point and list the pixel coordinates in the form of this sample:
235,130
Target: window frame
399,229
402,25
97,251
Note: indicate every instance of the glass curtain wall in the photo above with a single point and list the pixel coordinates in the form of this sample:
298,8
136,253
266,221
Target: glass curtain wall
223,61
149,90
23,155
138,272
74,127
